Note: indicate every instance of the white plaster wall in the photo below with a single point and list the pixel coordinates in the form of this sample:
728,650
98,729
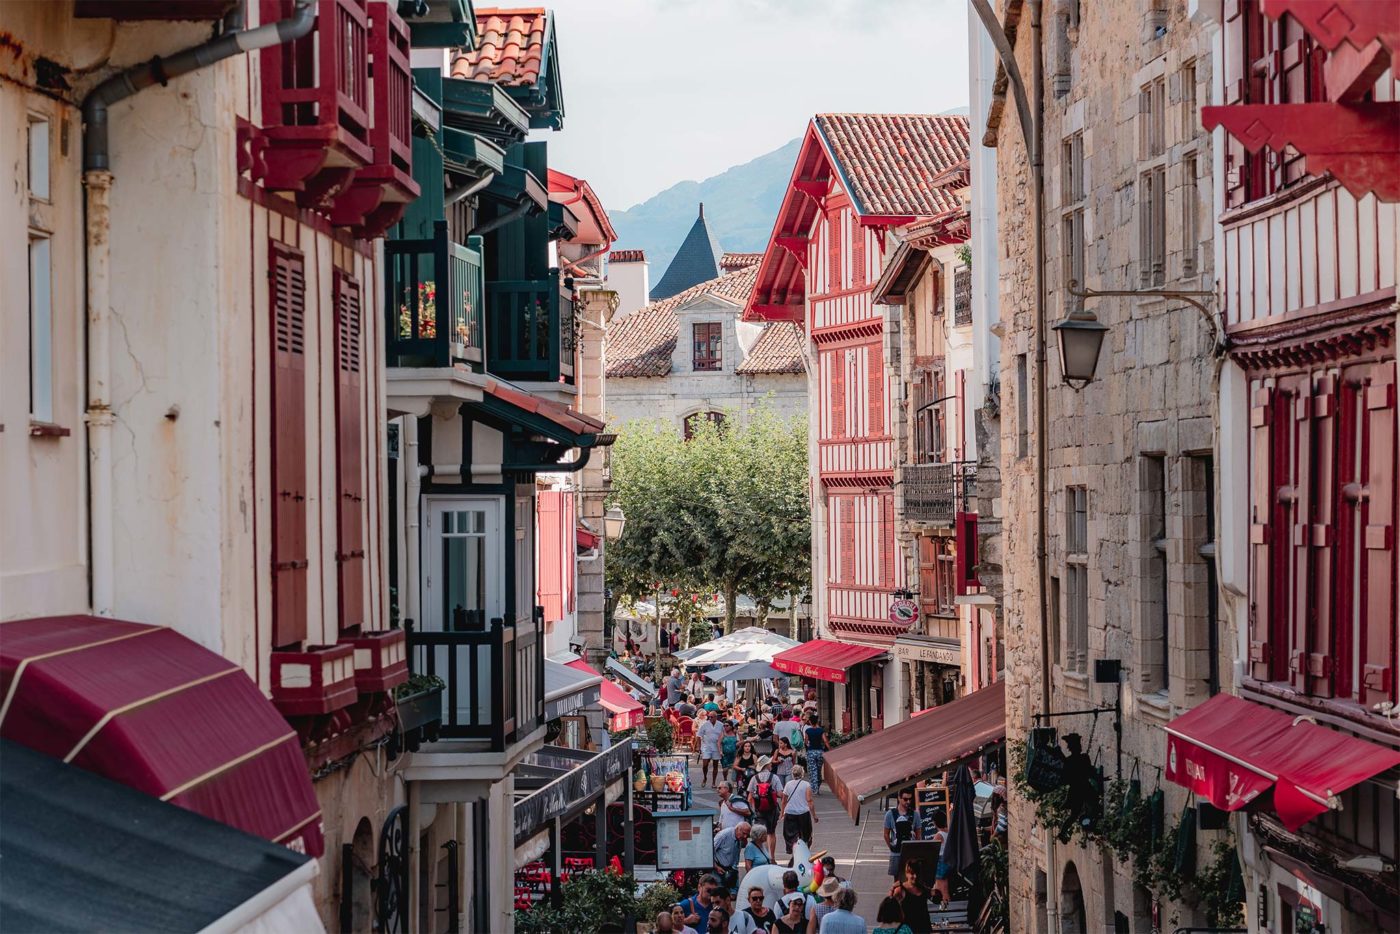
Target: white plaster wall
632,283
986,321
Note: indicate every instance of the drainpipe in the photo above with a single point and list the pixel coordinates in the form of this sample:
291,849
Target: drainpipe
506,218
1032,132
97,182
466,191
412,508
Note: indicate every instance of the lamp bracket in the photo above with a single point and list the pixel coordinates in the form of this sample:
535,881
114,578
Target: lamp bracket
1191,297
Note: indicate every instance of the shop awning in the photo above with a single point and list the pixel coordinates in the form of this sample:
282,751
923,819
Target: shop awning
147,707
625,712
824,659
82,853
912,749
1230,751
567,689
558,782
586,540
630,676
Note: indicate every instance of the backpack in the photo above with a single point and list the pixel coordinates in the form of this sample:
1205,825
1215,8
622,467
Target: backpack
764,796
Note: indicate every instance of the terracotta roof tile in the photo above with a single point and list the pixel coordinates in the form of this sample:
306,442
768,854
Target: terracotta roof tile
641,344
627,256
731,261
777,350
893,162
509,48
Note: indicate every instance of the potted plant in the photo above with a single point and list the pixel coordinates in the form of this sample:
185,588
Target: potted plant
419,701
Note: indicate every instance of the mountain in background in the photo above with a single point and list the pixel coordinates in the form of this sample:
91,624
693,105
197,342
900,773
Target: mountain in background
740,206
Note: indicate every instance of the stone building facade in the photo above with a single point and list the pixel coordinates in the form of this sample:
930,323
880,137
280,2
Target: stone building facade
1129,467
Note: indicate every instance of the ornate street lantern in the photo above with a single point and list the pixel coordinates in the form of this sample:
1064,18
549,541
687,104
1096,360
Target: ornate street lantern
613,523
1081,339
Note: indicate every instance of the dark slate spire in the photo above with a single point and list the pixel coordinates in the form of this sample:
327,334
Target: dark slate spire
695,262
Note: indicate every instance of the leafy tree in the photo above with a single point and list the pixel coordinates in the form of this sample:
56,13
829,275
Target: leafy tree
726,511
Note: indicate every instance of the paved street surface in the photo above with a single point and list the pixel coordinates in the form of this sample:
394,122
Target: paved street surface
861,855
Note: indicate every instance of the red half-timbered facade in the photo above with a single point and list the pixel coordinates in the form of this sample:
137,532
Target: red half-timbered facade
857,176
1308,102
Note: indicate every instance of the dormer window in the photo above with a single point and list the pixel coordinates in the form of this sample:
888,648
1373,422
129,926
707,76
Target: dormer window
708,346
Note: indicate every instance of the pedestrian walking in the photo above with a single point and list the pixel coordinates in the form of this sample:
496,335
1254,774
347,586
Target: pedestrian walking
827,892
796,814
765,799
784,759
756,850
913,898
815,738
678,921
696,908
709,734
733,808
901,824
745,764
843,920
729,844
728,748
889,919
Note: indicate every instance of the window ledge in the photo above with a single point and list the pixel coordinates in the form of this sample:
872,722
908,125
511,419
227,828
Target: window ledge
47,430
1075,680
1156,705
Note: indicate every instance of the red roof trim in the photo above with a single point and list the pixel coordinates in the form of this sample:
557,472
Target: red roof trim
561,415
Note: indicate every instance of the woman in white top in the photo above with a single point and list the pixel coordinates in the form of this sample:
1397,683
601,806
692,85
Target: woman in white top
797,816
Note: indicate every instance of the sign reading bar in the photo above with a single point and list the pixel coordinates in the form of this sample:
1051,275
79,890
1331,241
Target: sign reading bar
920,651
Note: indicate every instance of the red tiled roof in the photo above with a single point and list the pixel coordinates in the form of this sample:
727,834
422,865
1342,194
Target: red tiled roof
777,350
731,261
568,190
627,256
641,344
892,162
509,48
561,415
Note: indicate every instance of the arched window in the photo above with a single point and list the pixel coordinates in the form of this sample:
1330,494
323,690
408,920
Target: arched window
691,422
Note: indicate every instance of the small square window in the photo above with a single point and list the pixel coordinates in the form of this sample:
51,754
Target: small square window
40,330
39,158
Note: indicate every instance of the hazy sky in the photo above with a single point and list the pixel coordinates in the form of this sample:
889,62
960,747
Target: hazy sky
659,91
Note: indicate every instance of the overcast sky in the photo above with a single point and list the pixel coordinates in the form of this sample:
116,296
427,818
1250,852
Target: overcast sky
659,91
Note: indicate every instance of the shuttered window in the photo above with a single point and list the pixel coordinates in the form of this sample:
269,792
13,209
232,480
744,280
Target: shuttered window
1323,613
875,364
549,581
350,452
287,301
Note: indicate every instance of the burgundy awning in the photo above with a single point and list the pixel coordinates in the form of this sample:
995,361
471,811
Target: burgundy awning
823,659
625,710
911,749
1230,751
147,707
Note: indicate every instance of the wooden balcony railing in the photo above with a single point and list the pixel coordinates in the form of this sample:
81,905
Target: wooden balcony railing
530,327
434,290
494,674
935,493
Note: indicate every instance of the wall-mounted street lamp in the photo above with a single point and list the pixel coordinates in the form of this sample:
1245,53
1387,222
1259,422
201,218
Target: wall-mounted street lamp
613,523
1081,338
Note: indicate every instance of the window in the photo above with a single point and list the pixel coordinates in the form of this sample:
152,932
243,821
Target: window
1190,216
39,158
962,296
40,330
290,554
693,422
1202,601
1056,648
708,346
1154,653
937,571
928,417
1023,408
1152,188
1322,542
1266,61
1190,118
350,453
1072,220
1152,119
1076,579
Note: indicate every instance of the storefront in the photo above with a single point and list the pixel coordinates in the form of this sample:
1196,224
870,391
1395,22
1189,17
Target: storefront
932,669
849,680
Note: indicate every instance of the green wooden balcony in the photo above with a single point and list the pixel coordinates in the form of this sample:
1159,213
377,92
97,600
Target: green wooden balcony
434,289
530,329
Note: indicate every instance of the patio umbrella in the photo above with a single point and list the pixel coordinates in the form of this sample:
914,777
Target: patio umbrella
748,671
960,846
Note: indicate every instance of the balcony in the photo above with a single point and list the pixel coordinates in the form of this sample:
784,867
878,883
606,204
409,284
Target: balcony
530,326
494,675
434,289
936,493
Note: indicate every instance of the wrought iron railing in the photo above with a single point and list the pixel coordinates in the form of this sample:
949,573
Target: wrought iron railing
494,674
530,326
434,290
937,492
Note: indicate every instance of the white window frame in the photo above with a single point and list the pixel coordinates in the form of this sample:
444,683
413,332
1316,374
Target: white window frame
41,383
434,508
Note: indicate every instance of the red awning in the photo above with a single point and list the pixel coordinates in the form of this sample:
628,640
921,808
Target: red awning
1230,751
824,659
147,707
911,749
626,711
586,540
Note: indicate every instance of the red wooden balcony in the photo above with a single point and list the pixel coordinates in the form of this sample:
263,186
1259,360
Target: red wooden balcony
380,192
315,103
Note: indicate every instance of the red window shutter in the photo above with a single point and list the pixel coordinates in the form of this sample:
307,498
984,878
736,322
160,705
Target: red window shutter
569,551
349,395
857,254
1297,391
966,532
1380,618
1320,532
548,584
887,544
838,393
289,553
833,228
877,391
1261,532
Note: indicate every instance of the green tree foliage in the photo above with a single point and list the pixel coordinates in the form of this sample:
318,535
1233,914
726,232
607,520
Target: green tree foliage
726,511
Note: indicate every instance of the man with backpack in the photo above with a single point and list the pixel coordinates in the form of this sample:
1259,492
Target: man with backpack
765,798
901,823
